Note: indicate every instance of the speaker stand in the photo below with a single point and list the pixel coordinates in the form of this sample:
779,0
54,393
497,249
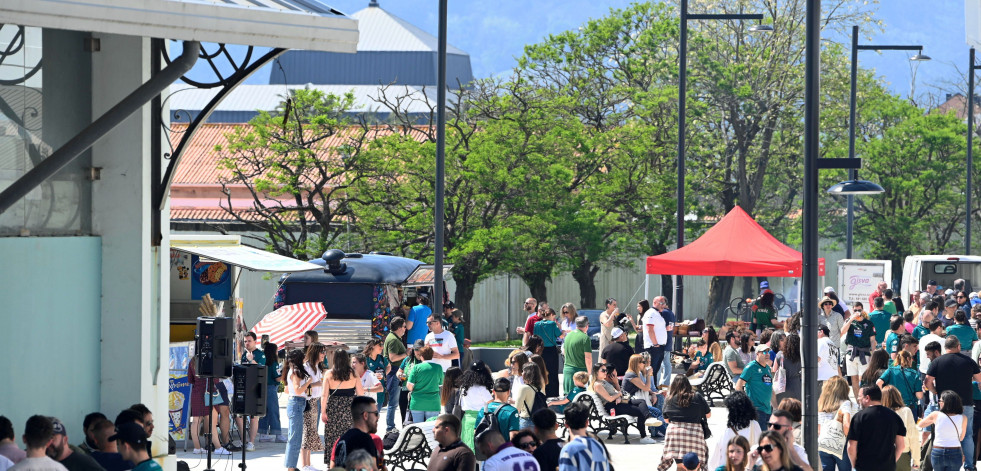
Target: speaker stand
245,436
211,413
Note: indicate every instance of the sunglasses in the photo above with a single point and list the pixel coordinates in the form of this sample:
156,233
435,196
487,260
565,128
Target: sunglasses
775,426
527,445
764,448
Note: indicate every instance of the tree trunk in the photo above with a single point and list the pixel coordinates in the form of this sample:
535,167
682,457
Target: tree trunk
720,289
466,281
585,276
536,283
668,289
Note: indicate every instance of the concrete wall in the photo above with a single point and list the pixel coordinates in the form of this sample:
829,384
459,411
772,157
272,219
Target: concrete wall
52,317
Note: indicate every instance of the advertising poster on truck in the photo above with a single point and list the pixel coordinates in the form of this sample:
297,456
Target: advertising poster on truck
857,279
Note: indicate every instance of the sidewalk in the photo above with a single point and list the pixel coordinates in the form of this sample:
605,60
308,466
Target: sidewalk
270,456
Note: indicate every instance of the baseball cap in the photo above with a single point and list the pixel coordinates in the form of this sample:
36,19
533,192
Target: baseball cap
617,332
828,289
59,428
949,292
131,433
690,460
764,284
932,283
762,348
950,302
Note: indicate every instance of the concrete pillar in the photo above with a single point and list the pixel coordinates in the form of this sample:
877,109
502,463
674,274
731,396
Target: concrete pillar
134,320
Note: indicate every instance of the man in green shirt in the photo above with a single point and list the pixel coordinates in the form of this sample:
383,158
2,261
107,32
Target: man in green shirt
896,329
578,353
880,318
424,381
757,381
395,351
507,418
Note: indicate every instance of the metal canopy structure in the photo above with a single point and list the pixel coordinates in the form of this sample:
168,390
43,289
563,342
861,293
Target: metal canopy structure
290,24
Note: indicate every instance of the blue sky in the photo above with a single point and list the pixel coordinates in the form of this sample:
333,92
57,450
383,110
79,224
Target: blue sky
495,32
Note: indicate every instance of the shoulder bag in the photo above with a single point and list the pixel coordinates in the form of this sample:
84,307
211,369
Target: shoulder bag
780,379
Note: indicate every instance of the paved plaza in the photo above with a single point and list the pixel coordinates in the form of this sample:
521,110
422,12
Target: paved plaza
270,455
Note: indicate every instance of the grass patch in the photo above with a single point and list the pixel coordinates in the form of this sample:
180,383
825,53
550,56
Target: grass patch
498,344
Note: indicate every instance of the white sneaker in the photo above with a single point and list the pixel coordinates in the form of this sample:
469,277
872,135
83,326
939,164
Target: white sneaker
646,440
250,446
280,438
310,468
263,437
653,422
222,451
198,451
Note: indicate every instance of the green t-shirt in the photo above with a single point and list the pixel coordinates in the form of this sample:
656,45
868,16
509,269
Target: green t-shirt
570,397
549,331
892,343
890,307
426,378
880,319
763,316
906,380
393,344
965,335
919,331
576,347
759,385
860,333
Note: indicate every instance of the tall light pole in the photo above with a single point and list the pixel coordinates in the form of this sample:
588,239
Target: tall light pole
853,173
809,279
970,149
679,291
440,160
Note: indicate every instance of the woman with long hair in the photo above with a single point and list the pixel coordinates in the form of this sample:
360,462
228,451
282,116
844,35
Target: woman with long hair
834,405
534,384
540,362
535,345
449,394
684,411
567,321
605,386
297,385
475,392
877,365
270,427
513,373
712,339
892,399
741,423
639,383
377,364
313,366
905,379
551,335
746,347
775,453
341,386
789,359
951,425
737,454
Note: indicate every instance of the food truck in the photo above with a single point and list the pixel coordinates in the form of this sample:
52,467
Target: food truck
359,292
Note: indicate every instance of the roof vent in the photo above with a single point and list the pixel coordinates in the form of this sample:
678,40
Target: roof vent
333,258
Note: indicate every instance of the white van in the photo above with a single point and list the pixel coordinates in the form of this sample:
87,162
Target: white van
944,269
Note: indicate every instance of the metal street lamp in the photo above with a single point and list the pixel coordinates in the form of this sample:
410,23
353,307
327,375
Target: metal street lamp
856,186
970,149
682,106
440,159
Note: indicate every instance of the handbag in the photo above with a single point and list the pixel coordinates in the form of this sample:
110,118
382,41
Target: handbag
780,380
458,406
831,440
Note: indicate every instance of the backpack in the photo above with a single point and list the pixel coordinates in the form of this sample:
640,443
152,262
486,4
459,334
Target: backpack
489,421
540,402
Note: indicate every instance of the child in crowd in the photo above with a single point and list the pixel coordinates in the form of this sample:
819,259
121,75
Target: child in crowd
558,404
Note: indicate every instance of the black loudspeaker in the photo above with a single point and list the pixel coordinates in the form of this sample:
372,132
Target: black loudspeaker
249,397
213,347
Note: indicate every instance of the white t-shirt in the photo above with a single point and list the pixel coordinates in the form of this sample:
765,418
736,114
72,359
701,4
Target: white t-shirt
924,361
510,459
653,317
318,376
476,398
442,343
368,381
826,368
39,464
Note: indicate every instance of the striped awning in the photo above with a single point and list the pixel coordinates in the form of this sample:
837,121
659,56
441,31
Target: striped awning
288,323
290,24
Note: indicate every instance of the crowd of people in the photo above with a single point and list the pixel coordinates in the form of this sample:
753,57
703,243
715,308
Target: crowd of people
898,390
120,445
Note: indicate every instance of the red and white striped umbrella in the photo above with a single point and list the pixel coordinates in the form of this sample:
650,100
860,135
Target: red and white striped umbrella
288,323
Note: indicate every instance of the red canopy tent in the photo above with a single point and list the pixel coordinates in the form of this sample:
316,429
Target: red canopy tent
735,246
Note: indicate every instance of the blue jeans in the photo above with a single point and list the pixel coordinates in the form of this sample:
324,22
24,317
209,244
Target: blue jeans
294,436
270,421
763,418
422,415
657,431
392,396
967,444
946,460
664,374
833,463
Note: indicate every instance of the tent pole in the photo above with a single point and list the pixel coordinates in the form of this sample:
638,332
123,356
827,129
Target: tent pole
647,286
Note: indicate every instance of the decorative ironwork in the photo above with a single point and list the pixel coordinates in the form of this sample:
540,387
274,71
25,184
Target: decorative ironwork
212,58
715,384
14,47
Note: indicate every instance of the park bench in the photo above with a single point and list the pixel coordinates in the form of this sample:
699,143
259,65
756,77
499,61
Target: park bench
412,449
600,419
714,383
